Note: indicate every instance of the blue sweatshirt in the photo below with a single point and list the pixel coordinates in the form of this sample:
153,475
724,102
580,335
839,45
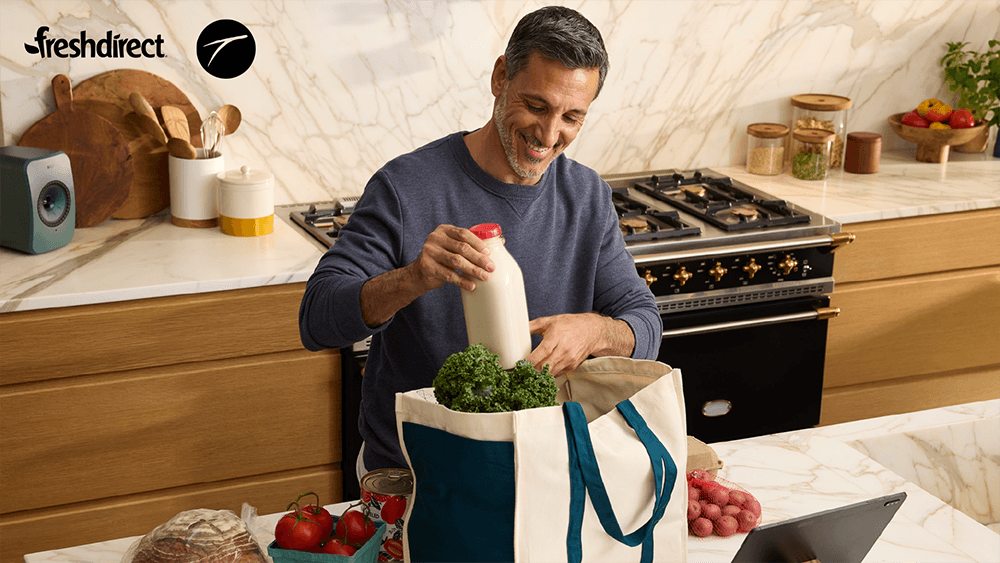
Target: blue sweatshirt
563,232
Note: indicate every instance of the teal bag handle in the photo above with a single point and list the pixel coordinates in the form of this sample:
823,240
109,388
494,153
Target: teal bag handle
585,477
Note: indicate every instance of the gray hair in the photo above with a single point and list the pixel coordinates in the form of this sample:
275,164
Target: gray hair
559,33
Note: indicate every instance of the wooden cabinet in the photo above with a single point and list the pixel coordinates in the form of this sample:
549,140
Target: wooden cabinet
114,417
920,316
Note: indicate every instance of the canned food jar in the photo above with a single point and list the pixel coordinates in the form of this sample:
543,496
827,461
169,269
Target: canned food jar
246,202
766,148
385,495
827,112
811,153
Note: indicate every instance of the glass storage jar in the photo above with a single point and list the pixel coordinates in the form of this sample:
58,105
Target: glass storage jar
766,148
827,112
811,153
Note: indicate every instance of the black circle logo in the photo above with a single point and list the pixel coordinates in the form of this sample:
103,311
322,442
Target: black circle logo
226,48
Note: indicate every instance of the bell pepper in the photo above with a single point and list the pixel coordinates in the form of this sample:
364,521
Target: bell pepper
939,113
938,125
928,104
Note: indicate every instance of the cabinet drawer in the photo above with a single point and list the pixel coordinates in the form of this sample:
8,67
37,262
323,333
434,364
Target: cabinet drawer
919,245
898,396
91,437
915,326
136,515
112,337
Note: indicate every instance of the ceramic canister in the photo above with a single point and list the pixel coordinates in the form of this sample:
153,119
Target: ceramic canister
194,198
246,202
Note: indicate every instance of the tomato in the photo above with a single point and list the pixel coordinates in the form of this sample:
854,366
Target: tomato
296,531
393,509
961,119
338,547
354,527
321,516
913,119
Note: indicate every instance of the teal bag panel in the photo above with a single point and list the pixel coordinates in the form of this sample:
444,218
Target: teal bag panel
463,504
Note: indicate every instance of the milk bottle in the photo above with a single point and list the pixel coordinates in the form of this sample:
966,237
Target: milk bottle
496,312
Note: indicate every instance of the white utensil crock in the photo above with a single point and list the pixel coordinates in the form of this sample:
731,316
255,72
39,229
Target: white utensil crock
194,200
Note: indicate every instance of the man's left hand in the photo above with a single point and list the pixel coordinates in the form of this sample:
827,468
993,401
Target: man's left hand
567,340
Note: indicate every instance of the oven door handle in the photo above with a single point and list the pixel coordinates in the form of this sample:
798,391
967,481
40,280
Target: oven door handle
820,314
834,241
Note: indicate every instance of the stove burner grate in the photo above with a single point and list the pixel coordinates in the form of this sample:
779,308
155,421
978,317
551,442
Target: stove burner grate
719,202
639,222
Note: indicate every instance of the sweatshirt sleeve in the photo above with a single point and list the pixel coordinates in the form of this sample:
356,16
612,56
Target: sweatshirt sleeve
620,293
369,245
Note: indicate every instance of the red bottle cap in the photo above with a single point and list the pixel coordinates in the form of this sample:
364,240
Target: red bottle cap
486,230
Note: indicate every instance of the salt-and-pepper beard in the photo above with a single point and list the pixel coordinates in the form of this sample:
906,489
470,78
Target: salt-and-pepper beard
499,114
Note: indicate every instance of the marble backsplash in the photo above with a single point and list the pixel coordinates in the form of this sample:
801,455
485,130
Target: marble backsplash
340,86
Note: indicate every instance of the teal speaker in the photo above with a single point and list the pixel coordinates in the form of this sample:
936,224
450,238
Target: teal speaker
37,206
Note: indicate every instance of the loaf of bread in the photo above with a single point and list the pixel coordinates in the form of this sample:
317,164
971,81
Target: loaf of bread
198,536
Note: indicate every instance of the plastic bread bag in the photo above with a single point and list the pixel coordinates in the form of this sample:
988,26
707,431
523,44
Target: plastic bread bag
198,536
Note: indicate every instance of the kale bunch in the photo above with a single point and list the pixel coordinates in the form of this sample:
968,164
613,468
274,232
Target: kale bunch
473,381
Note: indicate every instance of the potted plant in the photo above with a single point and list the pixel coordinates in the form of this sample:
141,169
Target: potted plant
975,76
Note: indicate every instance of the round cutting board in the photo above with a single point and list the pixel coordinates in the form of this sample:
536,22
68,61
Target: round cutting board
107,95
98,155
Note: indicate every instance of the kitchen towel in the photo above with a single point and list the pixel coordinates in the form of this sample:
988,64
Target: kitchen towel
593,479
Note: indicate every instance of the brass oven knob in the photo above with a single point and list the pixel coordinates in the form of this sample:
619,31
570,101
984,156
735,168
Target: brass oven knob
650,278
718,271
788,264
752,268
682,276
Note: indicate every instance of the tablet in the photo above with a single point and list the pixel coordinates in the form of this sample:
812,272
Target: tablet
841,535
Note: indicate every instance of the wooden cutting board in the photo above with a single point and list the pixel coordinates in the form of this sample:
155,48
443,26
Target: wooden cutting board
98,155
107,95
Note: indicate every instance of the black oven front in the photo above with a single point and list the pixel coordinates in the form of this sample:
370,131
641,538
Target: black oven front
751,369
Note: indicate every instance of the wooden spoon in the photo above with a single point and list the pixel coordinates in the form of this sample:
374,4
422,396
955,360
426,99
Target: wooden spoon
231,117
176,122
147,117
144,124
181,148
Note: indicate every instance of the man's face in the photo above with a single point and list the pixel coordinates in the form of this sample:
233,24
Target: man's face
539,113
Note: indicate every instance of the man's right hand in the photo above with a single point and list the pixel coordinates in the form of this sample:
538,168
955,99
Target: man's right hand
447,250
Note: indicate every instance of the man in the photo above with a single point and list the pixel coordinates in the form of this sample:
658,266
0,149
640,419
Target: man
396,269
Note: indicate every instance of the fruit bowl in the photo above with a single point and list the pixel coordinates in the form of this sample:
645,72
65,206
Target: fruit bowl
933,145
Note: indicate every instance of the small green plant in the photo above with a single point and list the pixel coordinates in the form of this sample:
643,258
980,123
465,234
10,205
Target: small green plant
975,77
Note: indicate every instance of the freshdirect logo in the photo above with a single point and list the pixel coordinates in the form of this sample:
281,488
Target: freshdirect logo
226,48
110,47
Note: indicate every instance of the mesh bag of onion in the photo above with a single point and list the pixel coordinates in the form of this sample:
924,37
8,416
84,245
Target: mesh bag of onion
719,506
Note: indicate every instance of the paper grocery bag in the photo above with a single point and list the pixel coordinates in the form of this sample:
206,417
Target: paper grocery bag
596,478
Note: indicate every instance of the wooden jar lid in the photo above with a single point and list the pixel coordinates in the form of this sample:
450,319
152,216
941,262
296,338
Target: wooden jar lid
864,137
821,102
767,130
816,136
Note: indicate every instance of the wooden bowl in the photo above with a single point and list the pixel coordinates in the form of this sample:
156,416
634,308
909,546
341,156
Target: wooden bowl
933,145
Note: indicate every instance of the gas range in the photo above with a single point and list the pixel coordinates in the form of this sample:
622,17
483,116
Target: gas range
699,239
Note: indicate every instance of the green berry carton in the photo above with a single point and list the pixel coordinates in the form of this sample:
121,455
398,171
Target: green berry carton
367,553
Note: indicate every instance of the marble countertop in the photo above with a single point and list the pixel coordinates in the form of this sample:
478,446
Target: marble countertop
144,258
795,474
152,257
902,187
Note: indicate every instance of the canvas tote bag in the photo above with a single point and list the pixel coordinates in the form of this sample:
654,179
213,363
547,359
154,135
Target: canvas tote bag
599,478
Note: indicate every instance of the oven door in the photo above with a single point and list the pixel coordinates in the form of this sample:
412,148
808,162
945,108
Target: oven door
751,369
